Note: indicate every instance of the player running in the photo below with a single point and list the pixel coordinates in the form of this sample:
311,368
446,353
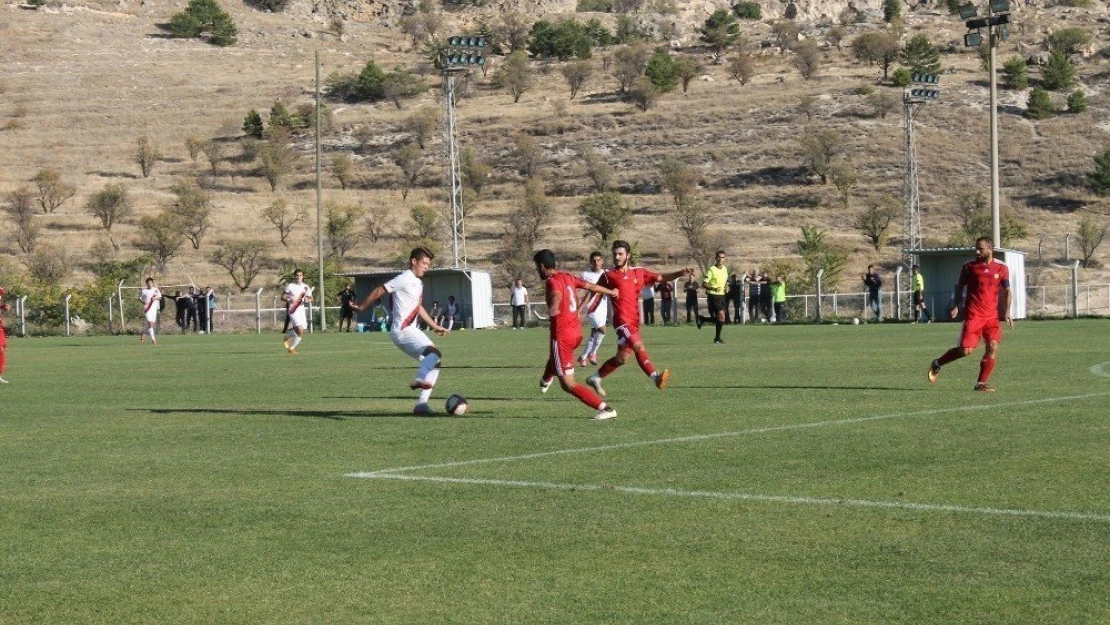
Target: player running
295,296
3,337
597,309
566,332
985,279
628,281
151,297
407,290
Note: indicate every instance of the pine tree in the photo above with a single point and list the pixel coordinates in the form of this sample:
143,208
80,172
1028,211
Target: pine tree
1040,104
252,124
921,56
1058,73
1077,101
1100,177
1013,73
892,10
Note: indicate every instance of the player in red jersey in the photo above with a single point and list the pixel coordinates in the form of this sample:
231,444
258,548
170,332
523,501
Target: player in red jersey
566,331
987,282
629,281
3,337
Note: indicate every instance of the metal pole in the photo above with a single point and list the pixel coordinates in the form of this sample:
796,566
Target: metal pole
820,274
67,313
22,315
458,236
119,298
996,220
898,293
1067,246
258,311
319,210
1075,290
111,318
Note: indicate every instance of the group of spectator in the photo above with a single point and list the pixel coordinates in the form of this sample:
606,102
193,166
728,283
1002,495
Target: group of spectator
446,317
194,309
764,297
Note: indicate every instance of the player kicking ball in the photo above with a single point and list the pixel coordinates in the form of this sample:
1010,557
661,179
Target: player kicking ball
628,281
566,332
150,297
296,294
407,290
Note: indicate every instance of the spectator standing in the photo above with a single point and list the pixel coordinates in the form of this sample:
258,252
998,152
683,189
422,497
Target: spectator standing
211,296
987,284
628,281
691,291
453,315
778,297
346,313
921,311
647,296
766,297
202,311
666,300
566,331
597,309
179,306
716,290
754,286
407,290
3,337
735,299
874,284
191,309
518,299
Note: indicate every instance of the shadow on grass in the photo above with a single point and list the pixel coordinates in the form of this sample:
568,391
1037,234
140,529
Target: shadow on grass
803,387
334,415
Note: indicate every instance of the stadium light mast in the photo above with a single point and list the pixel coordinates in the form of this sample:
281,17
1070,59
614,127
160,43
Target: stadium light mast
462,53
997,25
922,89
319,210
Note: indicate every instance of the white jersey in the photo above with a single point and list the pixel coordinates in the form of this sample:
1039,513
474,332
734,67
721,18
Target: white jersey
149,298
597,305
407,291
295,296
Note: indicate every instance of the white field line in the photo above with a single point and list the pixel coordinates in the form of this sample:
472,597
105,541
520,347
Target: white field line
703,437
1102,369
780,499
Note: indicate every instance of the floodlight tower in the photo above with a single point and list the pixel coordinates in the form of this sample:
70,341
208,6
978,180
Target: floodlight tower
462,52
923,88
997,25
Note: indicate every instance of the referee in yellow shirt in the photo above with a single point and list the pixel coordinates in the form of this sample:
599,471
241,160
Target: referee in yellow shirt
716,286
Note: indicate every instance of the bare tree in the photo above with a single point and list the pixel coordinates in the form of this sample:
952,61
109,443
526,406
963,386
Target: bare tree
343,170
283,218
821,147
679,180
693,218
576,74
807,59
109,205
845,179
161,236
147,155
378,222
875,222
605,215
1089,238
643,94
422,125
882,103
49,266
214,152
194,145
411,161
742,68
53,191
514,29
193,209
340,232
598,171
528,154
515,75
19,205
243,260
629,64
688,69
475,172
276,160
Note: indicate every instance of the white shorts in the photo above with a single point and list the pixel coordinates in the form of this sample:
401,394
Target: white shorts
297,318
599,318
152,314
411,341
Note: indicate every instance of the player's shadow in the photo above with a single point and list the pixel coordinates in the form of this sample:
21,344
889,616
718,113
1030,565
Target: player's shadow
800,387
334,415
410,397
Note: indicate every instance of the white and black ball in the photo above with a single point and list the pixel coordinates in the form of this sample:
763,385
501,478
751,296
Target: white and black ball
456,405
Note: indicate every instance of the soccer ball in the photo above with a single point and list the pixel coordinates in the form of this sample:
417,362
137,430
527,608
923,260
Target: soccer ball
855,321
456,405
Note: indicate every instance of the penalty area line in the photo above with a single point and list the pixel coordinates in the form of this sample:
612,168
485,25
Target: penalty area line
703,437
778,499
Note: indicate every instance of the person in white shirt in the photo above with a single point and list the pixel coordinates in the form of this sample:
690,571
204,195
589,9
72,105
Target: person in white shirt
597,309
151,297
519,301
295,296
452,313
406,290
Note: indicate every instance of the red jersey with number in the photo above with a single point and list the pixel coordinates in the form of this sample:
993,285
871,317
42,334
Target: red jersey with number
564,321
983,282
627,284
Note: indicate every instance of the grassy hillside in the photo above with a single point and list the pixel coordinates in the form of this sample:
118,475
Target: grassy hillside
79,85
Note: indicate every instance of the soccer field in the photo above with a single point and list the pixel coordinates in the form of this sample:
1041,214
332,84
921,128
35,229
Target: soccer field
797,475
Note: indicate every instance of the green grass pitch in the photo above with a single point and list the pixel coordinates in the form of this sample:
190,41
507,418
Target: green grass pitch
796,475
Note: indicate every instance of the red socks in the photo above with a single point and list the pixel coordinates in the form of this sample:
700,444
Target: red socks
986,366
586,396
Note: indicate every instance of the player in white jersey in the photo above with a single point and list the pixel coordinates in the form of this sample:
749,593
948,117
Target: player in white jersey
597,309
407,290
151,297
296,295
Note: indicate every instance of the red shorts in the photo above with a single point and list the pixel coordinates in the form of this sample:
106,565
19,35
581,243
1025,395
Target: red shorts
628,335
976,328
3,338
561,359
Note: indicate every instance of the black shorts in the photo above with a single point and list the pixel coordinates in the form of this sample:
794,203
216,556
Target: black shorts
717,303
918,298
346,313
